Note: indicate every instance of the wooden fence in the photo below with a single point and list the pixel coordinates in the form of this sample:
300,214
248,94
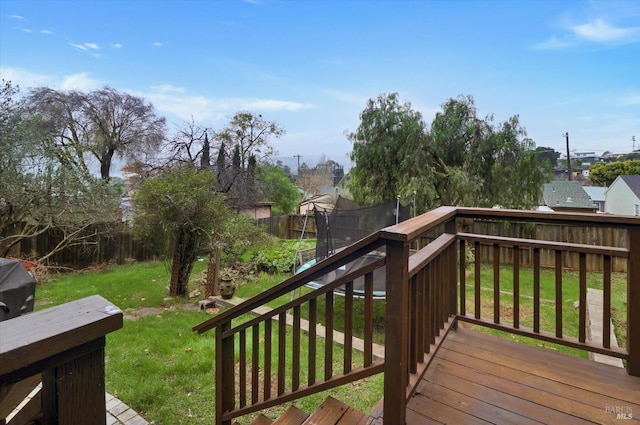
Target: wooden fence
289,226
585,235
106,243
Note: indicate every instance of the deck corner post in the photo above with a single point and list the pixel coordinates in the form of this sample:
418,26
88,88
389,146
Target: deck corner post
633,303
224,374
396,332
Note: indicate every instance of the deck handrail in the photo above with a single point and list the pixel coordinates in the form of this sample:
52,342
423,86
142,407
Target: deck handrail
66,345
425,260
255,356
294,282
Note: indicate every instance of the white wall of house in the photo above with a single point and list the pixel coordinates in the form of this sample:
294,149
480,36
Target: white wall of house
620,199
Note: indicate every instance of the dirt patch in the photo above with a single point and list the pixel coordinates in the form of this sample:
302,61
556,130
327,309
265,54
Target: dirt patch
135,313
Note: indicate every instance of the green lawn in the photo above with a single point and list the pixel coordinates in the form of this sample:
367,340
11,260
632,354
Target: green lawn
158,366
156,363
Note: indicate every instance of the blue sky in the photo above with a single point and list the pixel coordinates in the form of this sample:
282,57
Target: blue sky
562,66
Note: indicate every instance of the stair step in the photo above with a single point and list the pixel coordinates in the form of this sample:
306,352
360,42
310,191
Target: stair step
292,416
333,411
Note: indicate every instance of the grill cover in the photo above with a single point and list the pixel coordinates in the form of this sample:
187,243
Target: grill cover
17,289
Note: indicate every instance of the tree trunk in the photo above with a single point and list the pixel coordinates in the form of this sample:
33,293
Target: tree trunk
184,256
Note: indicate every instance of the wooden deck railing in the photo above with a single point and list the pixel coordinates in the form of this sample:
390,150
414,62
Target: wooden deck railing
426,295
65,345
255,349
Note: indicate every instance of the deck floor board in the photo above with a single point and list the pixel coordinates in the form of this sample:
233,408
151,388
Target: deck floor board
479,378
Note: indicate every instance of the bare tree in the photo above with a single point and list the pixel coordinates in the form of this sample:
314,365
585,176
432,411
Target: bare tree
45,183
102,124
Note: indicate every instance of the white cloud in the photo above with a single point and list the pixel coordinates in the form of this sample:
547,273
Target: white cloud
632,99
116,46
78,46
157,44
48,32
173,100
93,46
168,88
553,43
25,79
80,81
27,30
18,17
601,32
272,105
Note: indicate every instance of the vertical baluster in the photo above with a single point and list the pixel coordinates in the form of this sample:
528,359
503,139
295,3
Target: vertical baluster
496,283
433,314
295,372
633,302
282,350
477,294
413,320
348,326
558,293
267,358
243,367
313,354
255,362
420,316
368,319
463,278
606,303
582,308
452,280
516,287
328,340
536,290
428,315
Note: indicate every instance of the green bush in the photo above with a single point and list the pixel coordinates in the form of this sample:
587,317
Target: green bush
279,258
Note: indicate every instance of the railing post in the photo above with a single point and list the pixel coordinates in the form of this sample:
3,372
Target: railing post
66,345
396,333
73,392
225,374
633,303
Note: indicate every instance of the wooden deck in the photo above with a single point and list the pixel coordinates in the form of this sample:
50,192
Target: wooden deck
476,378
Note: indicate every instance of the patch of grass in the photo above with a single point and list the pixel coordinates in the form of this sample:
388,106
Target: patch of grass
127,286
161,368
570,295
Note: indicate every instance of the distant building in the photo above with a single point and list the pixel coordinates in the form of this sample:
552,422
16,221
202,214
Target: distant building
597,195
623,196
259,210
566,196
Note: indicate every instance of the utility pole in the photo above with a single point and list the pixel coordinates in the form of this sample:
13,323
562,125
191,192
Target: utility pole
298,156
566,135
633,139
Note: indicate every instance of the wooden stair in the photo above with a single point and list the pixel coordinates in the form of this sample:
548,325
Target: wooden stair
330,412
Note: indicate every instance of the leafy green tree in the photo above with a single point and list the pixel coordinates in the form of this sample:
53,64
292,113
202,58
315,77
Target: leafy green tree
547,157
461,160
277,188
389,136
179,211
603,174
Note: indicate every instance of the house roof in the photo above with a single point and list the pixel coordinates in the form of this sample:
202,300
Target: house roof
596,193
633,182
566,194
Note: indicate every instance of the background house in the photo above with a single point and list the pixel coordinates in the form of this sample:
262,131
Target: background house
567,196
623,196
597,195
